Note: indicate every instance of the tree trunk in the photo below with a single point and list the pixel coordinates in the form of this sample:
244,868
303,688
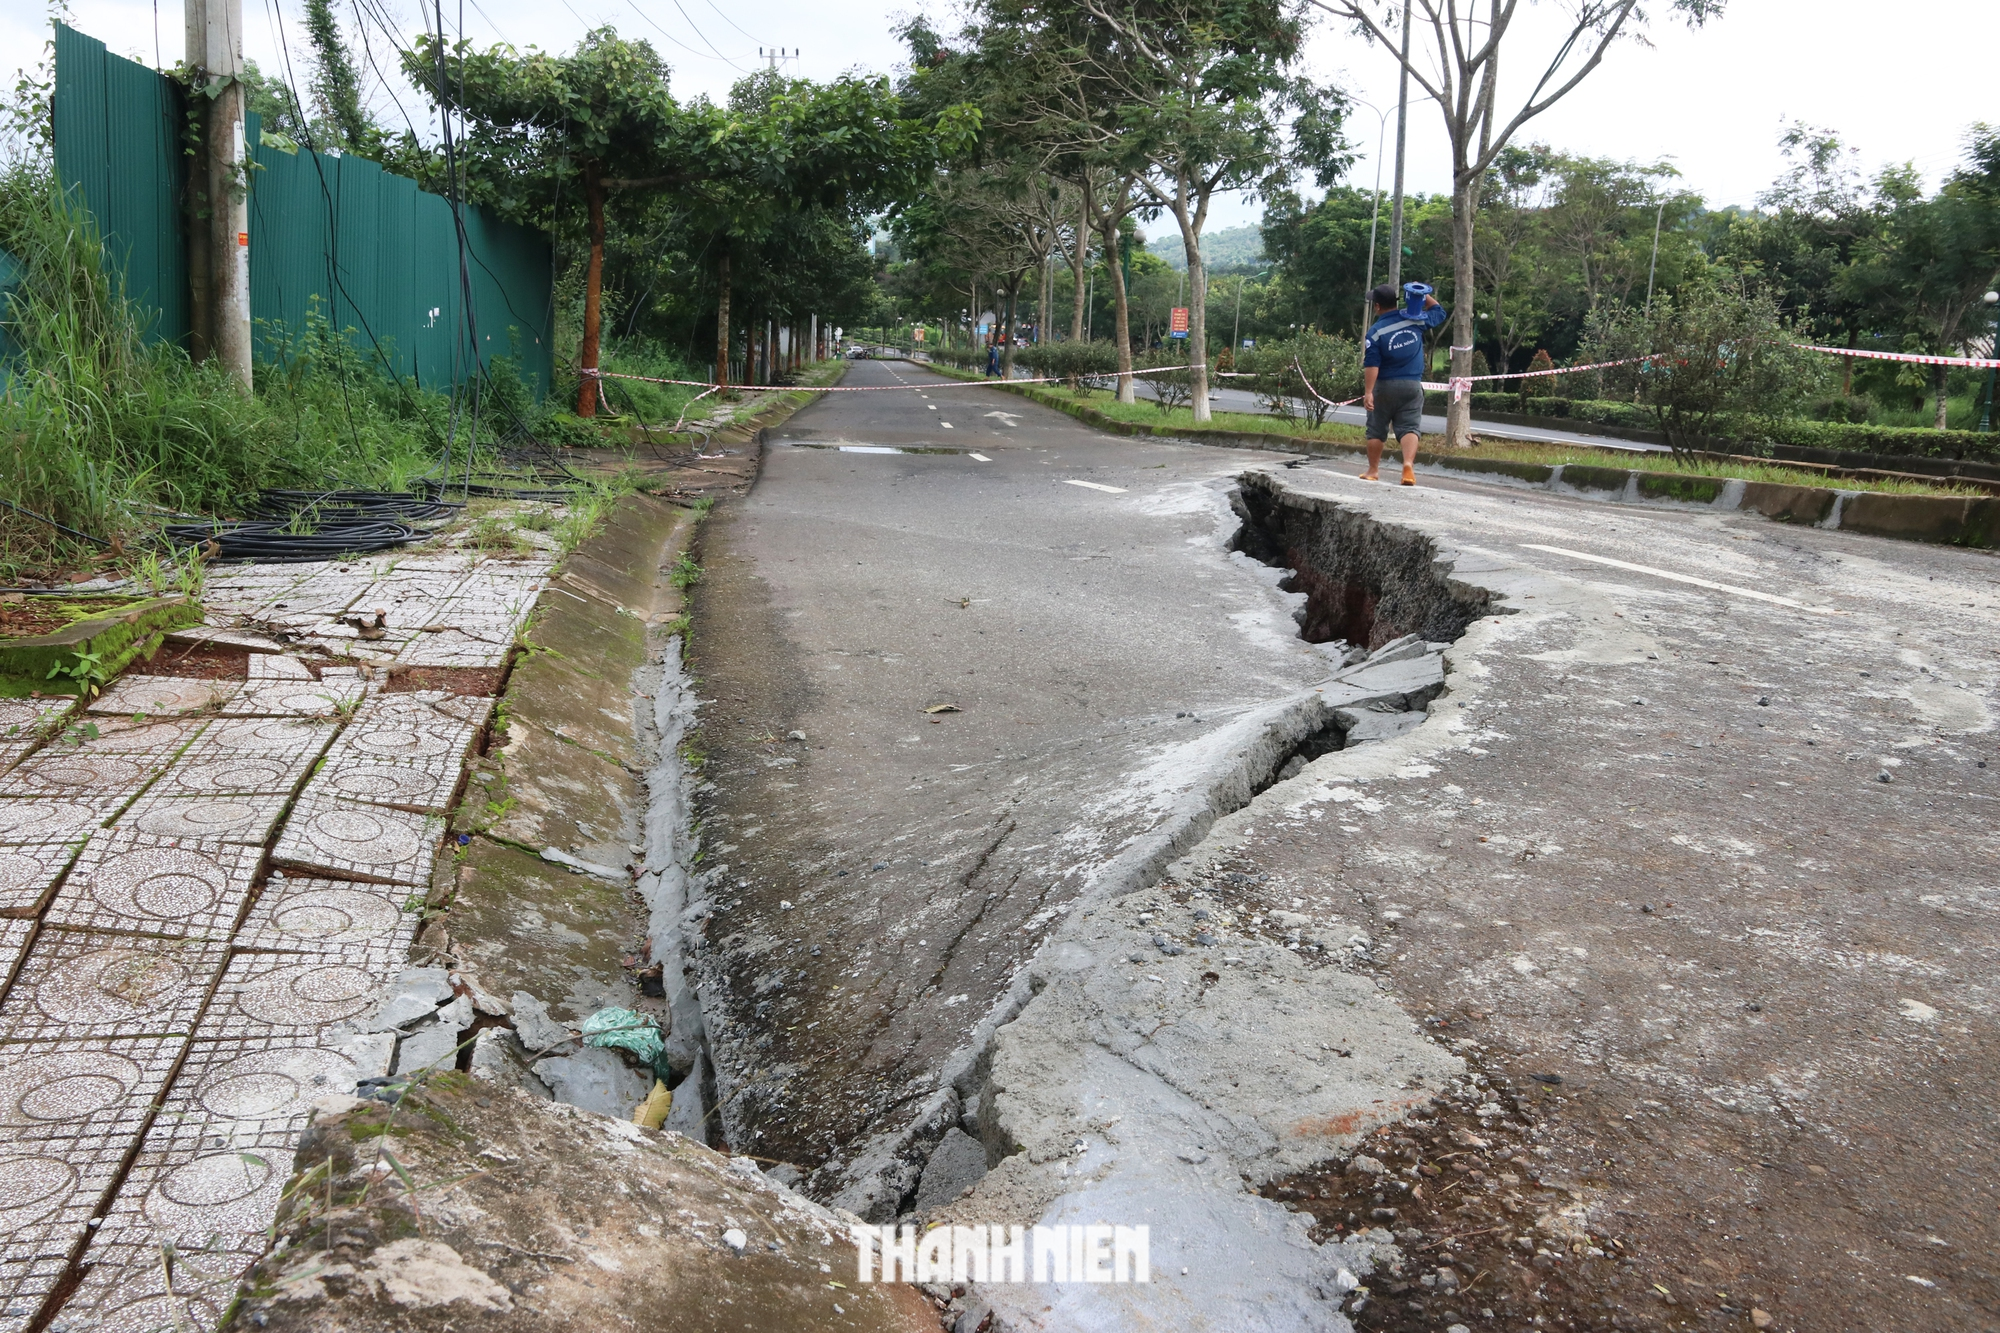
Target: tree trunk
1938,374
1079,255
1197,339
1047,294
1007,331
593,291
1458,415
1121,315
722,320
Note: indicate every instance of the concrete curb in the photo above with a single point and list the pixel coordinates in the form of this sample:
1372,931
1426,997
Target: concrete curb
1949,519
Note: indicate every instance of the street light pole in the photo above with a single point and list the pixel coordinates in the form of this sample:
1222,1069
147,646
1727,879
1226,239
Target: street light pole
1654,266
1381,132
1992,300
1402,138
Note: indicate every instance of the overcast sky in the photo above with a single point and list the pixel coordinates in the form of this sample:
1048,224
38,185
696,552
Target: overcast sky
1900,84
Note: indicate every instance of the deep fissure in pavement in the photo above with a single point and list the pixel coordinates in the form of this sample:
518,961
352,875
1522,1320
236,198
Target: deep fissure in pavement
1409,609
1365,581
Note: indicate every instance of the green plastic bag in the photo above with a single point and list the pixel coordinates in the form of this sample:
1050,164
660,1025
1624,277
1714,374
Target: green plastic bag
627,1031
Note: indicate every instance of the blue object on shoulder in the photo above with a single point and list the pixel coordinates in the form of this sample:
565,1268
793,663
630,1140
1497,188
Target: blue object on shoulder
1413,297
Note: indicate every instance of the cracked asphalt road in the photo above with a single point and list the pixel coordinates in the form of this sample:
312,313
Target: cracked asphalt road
889,875
1644,845
1724,867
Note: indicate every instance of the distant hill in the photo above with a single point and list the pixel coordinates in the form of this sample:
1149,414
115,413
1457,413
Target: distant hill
1229,250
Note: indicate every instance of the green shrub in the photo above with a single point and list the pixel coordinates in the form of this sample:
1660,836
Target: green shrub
1083,366
1287,371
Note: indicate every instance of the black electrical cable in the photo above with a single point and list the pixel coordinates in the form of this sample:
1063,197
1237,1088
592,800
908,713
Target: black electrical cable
63,528
278,543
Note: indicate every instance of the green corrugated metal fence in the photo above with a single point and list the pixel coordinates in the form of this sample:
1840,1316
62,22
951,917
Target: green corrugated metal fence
378,255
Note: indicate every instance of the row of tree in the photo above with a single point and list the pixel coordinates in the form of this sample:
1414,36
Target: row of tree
681,220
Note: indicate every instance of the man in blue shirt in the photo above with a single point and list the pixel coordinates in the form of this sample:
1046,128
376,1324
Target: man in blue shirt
1392,373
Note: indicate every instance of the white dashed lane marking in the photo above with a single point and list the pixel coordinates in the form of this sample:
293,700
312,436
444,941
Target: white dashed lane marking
1729,588
1094,485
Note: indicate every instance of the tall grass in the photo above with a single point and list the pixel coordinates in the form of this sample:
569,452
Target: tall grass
101,430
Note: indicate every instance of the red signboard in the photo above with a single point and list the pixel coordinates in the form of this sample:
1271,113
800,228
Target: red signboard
1180,324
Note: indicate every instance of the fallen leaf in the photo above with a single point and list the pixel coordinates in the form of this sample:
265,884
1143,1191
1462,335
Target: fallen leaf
944,708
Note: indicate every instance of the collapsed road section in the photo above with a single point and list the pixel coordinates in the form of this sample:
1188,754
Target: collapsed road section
926,822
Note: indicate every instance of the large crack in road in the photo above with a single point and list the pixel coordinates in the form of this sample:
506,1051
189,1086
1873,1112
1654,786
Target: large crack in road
1021,950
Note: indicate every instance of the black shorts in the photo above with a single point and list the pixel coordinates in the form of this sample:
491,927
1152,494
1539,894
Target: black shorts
1399,403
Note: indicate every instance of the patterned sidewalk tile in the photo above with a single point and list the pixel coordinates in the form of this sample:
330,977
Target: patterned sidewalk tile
245,818
212,770
82,986
278,666
21,724
70,1112
54,819
360,841
293,698
458,648
246,1094
218,1201
20,719
304,738
138,1287
123,735
414,726
118,761
28,873
363,924
421,785
79,1100
161,696
29,1271
138,881
270,996
15,935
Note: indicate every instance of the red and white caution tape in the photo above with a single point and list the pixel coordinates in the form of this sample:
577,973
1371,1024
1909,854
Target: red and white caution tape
711,386
1922,359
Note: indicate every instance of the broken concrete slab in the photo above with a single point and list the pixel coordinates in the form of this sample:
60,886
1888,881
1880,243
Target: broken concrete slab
433,1046
1409,682
526,926
594,1079
529,1238
499,1059
955,1166
1369,724
540,1034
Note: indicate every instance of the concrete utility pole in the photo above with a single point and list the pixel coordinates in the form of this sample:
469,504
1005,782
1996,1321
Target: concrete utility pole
219,212
1402,139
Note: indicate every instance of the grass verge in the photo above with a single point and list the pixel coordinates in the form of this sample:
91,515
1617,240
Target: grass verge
1180,421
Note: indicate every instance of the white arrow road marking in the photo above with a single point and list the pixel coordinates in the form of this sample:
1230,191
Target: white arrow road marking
1094,485
982,458
1730,588
1007,417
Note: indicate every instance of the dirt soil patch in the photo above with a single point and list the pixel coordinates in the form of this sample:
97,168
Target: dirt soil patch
23,617
471,682
199,662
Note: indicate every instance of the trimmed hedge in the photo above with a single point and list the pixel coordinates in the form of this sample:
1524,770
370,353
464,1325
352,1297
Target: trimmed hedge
1758,436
